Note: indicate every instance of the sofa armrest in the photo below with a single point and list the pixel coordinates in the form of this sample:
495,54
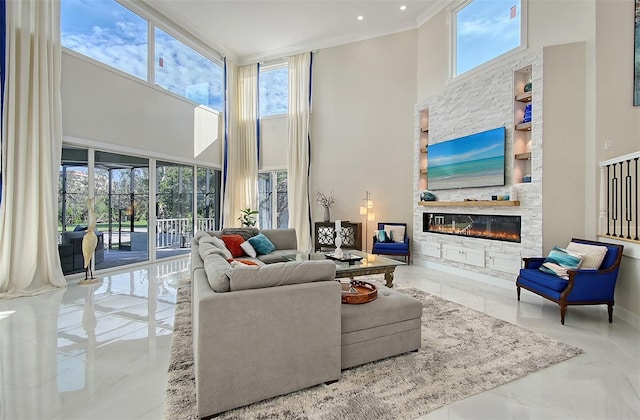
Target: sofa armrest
255,344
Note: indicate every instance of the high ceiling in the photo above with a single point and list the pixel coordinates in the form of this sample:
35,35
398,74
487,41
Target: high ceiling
258,30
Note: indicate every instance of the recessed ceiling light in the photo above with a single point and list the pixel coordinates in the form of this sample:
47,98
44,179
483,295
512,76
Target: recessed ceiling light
403,7
360,17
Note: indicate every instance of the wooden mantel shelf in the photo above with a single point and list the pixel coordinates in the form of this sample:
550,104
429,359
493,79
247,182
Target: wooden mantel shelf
478,203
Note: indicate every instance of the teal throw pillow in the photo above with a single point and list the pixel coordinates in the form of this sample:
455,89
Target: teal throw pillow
559,261
262,244
382,236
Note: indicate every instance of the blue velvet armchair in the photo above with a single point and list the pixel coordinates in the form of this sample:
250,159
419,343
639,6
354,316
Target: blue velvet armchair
402,249
584,287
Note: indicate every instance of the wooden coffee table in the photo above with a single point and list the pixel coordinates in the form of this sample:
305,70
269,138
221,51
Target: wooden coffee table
369,265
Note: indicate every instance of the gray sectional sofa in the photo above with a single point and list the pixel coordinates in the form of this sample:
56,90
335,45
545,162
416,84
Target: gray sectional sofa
271,329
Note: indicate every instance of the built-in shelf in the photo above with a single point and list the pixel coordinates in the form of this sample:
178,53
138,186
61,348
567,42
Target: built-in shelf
477,203
524,126
523,156
524,97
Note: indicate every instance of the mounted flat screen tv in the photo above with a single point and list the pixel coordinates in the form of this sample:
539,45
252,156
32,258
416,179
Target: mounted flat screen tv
476,160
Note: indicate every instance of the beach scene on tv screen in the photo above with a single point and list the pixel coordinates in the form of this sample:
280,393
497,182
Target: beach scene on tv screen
476,160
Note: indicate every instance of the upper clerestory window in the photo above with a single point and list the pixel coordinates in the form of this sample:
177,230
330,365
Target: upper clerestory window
107,32
484,30
112,34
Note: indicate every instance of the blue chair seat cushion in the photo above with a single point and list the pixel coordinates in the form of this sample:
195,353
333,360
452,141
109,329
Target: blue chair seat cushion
548,281
388,248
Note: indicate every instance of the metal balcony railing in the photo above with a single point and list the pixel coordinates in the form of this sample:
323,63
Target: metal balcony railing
619,197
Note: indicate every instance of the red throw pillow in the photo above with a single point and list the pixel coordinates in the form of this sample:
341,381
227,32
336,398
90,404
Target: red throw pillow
247,262
233,243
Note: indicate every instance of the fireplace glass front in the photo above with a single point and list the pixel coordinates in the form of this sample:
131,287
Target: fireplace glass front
485,226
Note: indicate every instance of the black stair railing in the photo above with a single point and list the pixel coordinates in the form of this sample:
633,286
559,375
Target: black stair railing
619,199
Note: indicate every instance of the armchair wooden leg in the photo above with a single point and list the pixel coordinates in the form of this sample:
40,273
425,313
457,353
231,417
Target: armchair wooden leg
563,311
610,309
518,288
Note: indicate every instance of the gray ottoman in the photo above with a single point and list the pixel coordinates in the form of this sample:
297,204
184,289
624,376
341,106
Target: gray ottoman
388,326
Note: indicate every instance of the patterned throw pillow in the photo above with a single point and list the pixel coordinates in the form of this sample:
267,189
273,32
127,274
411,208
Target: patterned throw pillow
262,244
233,244
382,236
560,261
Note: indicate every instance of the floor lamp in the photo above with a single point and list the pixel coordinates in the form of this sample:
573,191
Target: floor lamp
366,210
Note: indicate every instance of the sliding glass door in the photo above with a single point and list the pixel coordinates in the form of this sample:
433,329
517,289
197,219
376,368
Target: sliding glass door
174,208
122,203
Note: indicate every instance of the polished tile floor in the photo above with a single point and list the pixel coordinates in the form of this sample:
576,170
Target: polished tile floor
101,351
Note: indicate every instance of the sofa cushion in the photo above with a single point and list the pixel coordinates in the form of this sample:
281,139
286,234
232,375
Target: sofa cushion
282,238
233,244
593,254
262,244
279,255
200,234
206,249
245,232
539,279
217,243
559,261
217,269
281,274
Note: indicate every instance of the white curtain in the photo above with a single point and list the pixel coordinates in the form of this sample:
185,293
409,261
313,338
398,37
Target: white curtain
241,187
298,148
31,142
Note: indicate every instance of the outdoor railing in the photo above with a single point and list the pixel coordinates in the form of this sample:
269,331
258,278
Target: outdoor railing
173,232
619,197
206,224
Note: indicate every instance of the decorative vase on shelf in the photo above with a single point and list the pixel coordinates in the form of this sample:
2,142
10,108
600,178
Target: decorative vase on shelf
529,85
327,215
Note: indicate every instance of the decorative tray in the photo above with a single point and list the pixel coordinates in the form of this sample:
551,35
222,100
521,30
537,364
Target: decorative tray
364,292
346,257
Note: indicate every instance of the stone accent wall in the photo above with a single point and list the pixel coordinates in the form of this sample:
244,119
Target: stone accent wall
476,102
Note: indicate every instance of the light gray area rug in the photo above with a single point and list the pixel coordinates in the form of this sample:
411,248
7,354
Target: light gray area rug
464,352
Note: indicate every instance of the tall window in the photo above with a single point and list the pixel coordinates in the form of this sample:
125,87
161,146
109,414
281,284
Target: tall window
273,206
182,70
106,31
274,91
485,30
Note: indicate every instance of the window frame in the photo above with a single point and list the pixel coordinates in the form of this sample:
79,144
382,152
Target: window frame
453,36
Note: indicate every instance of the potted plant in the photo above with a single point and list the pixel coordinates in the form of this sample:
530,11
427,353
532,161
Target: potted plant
248,217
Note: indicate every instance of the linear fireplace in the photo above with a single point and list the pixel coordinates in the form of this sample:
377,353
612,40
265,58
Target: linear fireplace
485,226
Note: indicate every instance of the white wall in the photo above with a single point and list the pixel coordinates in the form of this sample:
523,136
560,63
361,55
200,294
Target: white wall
103,106
362,127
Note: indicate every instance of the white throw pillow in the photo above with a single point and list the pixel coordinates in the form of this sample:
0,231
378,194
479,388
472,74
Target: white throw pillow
248,249
396,233
593,254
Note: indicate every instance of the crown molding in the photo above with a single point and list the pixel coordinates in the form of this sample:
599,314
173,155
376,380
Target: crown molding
434,8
